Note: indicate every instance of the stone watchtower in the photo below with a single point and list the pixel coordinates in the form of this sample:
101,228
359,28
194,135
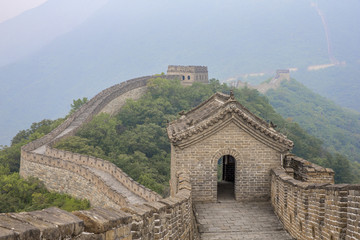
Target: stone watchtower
283,74
189,74
222,140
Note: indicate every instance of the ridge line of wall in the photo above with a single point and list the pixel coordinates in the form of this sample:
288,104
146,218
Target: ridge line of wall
72,124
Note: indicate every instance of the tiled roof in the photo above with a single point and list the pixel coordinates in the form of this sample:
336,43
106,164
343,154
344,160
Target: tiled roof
214,110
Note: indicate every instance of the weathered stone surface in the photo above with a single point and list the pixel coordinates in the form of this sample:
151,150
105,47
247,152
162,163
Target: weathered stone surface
98,220
6,234
68,224
90,236
22,230
234,220
48,230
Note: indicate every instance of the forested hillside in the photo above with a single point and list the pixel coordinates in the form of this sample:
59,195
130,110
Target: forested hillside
337,127
136,139
18,194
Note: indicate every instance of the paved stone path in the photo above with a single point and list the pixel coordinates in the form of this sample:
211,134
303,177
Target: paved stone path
234,220
109,180
117,186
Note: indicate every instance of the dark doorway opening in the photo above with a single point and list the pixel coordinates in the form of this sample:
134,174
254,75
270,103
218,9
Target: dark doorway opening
226,178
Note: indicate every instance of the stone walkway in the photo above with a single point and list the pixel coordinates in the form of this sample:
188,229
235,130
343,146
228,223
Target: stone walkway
114,184
235,220
228,219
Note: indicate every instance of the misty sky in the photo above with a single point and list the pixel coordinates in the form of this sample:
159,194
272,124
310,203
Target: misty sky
12,8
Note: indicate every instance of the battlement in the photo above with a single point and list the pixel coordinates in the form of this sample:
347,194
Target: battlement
190,69
189,74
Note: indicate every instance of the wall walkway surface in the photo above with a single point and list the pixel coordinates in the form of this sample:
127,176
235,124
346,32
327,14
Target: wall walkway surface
239,220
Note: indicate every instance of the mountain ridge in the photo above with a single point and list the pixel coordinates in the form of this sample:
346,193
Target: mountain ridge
122,40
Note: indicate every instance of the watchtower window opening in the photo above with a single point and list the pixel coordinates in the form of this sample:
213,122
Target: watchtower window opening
226,177
188,77
183,77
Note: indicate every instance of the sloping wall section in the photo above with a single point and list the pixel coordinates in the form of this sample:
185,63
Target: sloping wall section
136,212
170,218
84,176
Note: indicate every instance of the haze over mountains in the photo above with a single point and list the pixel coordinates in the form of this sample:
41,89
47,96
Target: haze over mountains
50,55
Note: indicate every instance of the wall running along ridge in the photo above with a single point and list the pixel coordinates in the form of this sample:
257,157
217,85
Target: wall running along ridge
303,195
37,157
136,212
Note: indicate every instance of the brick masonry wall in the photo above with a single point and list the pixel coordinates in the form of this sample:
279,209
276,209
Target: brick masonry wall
253,162
69,177
170,218
306,171
105,166
115,96
316,210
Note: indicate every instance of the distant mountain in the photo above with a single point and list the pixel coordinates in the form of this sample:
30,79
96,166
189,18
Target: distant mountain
337,127
33,29
340,83
125,39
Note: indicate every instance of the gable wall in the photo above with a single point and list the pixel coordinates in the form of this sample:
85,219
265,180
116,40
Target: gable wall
254,160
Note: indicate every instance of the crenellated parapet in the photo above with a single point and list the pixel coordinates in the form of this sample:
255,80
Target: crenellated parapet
105,166
313,209
170,218
306,171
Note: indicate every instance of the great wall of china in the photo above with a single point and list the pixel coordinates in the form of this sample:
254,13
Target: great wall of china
303,195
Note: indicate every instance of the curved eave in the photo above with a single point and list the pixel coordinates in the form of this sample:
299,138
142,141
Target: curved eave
230,113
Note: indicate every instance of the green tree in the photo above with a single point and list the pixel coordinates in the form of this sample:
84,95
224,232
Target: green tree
77,104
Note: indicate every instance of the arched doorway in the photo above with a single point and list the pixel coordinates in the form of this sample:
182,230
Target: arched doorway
226,178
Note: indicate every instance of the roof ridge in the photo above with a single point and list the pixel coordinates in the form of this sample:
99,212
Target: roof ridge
183,128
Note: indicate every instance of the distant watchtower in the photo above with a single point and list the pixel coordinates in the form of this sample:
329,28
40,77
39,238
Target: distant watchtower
189,74
282,74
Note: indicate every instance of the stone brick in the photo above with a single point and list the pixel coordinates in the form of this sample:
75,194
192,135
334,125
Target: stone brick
100,220
19,229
